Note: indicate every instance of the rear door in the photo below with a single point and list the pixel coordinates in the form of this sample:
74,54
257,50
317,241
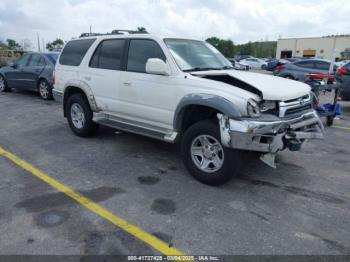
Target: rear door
35,66
16,77
104,72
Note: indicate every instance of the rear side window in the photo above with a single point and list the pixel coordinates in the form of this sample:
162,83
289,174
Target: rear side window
74,52
23,61
305,64
37,60
140,50
322,65
108,54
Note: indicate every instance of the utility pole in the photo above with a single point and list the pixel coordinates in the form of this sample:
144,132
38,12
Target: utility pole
43,42
90,29
37,35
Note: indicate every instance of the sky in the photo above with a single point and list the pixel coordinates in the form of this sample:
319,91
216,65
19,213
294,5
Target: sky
238,20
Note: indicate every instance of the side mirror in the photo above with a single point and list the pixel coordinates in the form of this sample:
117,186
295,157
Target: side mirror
157,66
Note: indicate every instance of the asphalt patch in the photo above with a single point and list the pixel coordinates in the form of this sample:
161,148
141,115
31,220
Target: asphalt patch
163,206
39,203
148,180
52,218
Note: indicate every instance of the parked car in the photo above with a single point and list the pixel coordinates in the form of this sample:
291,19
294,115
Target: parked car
343,78
342,63
31,71
239,65
255,63
241,57
182,90
300,69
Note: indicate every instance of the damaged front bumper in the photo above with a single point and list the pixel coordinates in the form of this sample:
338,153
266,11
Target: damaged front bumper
270,135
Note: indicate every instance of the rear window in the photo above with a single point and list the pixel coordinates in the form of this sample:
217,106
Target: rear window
74,52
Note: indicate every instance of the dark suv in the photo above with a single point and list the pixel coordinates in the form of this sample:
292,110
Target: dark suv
298,70
343,77
31,71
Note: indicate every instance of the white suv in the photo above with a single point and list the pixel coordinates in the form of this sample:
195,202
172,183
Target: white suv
177,89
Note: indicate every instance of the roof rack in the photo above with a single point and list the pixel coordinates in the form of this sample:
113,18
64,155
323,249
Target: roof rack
114,32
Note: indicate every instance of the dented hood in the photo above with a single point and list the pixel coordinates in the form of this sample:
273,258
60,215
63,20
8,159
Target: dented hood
268,86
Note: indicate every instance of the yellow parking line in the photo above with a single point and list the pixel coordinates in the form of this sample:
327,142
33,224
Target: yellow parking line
342,127
94,207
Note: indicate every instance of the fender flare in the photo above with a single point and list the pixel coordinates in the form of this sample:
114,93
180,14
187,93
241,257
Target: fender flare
217,102
84,87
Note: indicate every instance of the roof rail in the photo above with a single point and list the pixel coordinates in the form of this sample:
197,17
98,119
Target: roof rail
114,32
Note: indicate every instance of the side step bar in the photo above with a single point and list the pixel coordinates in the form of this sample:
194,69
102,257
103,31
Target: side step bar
127,126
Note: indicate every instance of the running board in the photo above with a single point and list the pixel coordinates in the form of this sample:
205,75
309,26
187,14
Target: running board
134,128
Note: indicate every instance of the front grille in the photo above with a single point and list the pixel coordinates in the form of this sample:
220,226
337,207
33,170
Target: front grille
295,107
296,110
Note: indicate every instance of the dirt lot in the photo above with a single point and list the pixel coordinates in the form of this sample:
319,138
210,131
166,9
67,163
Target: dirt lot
302,207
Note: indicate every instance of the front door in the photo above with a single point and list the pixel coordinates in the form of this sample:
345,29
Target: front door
146,97
16,77
35,66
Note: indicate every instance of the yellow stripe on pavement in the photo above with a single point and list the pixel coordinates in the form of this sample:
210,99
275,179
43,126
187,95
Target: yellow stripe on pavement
94,207
342,127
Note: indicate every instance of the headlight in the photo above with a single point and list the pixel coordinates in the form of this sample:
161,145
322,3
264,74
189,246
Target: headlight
253,108
267,105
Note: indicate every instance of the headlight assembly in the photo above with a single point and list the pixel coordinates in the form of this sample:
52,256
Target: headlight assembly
268,105
253,109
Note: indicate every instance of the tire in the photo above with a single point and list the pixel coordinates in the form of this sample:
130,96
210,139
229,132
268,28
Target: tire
289,77
3,85
192,141
263,67
79,115
45,89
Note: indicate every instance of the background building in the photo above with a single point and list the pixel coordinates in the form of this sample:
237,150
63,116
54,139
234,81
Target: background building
321,47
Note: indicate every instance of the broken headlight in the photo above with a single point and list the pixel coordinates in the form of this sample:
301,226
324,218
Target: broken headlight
267,106
253,109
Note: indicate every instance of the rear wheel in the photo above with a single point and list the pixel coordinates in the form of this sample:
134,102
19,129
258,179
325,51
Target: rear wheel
263,67
80,116
205,157
3,85
289,77
45,89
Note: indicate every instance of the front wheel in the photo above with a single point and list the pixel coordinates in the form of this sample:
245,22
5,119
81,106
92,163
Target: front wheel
80,116
205,157
3,85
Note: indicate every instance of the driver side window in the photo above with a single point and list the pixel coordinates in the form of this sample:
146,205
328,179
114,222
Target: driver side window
23,61
140,50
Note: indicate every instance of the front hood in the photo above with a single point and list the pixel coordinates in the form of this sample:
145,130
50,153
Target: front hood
267,86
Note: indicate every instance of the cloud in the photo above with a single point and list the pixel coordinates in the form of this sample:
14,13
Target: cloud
240,20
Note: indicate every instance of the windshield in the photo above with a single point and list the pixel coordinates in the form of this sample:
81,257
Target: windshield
193,55
52,57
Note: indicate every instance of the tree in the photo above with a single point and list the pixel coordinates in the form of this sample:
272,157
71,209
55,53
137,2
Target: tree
12,44
141,29
55,45
226,47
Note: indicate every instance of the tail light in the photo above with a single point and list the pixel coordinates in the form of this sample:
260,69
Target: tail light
280,68
342,71
53,79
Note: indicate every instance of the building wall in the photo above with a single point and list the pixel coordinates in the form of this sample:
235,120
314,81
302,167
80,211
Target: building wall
323,46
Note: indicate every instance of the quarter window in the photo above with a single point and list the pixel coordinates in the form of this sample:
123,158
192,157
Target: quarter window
140,50
108,54
74,51
322,65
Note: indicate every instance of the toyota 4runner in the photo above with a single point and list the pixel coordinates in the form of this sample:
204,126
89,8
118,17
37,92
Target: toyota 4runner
178,89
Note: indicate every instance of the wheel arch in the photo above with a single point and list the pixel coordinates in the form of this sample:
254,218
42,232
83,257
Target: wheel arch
196,107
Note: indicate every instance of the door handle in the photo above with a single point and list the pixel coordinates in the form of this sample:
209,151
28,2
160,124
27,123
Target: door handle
127,83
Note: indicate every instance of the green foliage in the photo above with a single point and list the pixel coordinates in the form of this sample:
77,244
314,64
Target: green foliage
55,45
141,29
226,47
12,44
257,49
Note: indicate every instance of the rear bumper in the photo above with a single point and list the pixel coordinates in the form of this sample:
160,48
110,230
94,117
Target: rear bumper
57,95
271,136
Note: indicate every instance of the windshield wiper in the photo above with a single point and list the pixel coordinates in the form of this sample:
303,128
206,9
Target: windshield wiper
207,68
201,69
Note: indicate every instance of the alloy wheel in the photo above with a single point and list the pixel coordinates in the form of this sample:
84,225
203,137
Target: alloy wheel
77,115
